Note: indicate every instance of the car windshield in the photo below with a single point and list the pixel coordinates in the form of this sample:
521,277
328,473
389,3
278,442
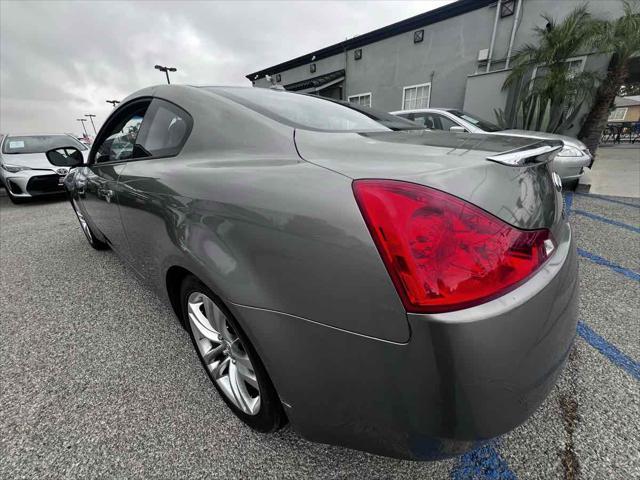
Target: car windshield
39,143
478,122
312,112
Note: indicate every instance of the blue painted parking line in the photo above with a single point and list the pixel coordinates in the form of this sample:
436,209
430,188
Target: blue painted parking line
484,463
608,350
606,263
568,203
607,199
599,218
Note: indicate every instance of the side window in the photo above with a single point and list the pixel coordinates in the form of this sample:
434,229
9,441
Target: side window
446,123
427,120
165,129
121,140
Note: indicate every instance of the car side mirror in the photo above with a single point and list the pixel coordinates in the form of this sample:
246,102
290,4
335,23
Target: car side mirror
457,129
65,157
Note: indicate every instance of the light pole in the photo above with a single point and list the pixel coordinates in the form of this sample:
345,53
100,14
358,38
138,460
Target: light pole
113,102
82,120
91,117
166,70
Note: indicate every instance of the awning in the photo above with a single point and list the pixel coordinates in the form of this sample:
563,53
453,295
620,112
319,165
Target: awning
318,83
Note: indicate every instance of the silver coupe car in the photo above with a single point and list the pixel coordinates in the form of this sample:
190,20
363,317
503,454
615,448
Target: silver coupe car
379,286
25,171
569,162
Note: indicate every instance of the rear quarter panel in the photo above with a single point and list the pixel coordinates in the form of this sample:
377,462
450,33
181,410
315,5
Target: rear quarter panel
261,227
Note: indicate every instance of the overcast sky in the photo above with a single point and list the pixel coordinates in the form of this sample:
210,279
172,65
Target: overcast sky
62,59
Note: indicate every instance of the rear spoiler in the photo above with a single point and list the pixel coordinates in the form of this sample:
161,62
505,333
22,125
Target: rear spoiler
536,153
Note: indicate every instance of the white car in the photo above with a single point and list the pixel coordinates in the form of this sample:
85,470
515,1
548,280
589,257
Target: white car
25,171
569,163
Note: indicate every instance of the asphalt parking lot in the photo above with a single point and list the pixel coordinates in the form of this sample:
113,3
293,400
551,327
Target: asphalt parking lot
99,380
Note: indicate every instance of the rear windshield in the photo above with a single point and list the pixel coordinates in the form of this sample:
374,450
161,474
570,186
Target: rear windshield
39,143
312,112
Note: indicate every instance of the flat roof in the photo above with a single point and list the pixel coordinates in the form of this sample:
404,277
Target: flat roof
413,23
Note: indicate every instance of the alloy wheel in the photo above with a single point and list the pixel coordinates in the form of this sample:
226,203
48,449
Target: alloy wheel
223,354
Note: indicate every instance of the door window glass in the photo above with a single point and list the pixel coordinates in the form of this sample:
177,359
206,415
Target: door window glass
427,120
445,123
165,130
120,143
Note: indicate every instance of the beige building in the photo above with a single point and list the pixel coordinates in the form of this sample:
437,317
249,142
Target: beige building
627,109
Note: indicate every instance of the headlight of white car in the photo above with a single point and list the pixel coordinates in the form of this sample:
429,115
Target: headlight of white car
14,168
568,151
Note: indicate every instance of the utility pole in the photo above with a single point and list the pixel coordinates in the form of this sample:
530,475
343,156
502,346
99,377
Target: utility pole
166,70
91,116
113,102
82,120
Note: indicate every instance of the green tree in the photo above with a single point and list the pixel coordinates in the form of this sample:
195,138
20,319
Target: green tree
621,37
551,100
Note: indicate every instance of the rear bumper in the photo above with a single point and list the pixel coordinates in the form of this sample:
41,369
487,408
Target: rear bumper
463,378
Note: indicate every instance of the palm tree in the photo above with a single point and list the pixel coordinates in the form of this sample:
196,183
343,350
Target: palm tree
622,38
551,100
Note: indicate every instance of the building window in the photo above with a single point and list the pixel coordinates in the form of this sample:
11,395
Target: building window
418,36
357,54
278,78
363,99
506,8
575,65
312,68
416,96
618,115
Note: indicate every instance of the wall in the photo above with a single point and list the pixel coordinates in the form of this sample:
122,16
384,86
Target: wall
484,94
448,58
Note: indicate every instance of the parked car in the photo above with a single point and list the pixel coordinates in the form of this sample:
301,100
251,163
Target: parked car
25,171
380,286
569,163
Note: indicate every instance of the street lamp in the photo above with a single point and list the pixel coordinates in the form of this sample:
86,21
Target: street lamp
91,117
113,102
166,70
82,120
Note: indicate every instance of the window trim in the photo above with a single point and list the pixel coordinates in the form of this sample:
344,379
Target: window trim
404,95
622,109
358,95
116,116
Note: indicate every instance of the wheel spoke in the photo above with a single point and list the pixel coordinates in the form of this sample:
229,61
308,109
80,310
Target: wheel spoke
245,371
213,314
200,324
218,370
236,388
212,354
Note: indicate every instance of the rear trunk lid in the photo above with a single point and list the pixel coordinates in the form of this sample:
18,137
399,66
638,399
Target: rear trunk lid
523,195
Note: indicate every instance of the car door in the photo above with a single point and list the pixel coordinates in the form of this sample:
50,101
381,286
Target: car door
149,206
115,146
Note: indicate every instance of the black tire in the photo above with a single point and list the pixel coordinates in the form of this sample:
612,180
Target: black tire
271,416
571,185
88,232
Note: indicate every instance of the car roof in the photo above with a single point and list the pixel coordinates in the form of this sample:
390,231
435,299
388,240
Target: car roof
422,110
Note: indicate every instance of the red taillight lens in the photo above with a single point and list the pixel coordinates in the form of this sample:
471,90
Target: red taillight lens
443,253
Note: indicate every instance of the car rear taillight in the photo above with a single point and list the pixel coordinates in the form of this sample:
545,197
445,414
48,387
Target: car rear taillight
443,253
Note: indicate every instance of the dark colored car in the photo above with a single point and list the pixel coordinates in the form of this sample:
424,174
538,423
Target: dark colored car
380,286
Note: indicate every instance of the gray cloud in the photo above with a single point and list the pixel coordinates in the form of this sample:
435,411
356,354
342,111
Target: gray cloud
62,59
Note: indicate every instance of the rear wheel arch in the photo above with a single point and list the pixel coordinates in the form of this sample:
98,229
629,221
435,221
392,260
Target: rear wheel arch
173,280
